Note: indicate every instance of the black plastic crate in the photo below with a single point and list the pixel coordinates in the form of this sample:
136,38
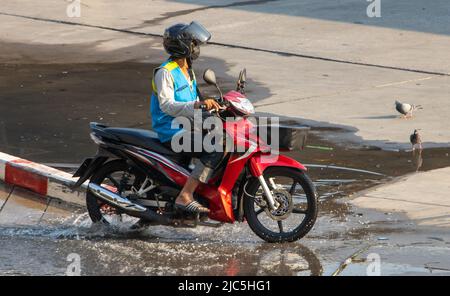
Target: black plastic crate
290,137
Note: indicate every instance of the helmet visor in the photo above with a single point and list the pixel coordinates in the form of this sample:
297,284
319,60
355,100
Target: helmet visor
198,32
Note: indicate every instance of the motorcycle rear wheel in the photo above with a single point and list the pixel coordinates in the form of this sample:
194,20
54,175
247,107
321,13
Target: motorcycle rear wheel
109,176
300,189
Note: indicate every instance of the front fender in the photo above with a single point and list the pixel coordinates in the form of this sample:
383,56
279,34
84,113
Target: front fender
260,162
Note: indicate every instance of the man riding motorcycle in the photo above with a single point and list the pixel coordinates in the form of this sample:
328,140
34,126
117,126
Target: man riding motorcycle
134,175
175,93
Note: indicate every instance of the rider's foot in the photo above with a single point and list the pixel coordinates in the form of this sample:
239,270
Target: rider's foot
186,202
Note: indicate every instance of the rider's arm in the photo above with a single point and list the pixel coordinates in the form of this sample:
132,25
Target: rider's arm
165,92
200,96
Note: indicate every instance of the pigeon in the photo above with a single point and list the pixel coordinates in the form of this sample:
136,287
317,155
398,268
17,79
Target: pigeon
406,109
416,139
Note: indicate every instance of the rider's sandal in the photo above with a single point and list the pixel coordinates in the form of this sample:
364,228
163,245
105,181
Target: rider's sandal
192,207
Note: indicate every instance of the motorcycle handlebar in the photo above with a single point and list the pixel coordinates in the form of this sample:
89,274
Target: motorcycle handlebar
211,111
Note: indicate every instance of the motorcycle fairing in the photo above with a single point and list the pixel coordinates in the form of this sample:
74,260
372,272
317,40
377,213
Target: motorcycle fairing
260,162
219,200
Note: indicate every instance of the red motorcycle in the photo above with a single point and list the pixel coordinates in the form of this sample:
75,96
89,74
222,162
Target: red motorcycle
133,176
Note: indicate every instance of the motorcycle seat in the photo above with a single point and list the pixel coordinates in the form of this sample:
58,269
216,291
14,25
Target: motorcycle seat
139,137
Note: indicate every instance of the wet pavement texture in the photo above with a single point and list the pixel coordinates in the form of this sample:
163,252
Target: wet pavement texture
335,246
45,111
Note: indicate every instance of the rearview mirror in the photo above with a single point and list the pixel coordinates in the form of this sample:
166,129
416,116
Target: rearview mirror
210,77
240,87
243,76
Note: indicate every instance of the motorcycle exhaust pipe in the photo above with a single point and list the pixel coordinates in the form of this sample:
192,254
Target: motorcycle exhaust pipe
126,205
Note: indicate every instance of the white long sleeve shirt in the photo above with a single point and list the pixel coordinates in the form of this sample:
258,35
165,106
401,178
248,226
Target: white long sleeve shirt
166,96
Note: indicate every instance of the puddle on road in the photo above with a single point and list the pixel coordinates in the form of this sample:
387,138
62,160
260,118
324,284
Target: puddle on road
341,172
45,111
231,250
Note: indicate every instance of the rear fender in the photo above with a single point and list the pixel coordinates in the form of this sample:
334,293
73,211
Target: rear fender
260,162
88,168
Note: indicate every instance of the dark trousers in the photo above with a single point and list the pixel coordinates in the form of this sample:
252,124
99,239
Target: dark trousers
206,161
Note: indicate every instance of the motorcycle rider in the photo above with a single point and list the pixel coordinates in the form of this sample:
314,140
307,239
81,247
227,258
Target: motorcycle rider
175,94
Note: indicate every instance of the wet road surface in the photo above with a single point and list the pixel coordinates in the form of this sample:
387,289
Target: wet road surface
45,111
40,242
37,236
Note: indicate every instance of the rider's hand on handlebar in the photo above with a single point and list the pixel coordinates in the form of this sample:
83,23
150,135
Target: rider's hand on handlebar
211,104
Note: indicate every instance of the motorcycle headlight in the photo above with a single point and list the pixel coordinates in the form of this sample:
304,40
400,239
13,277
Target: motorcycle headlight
244,106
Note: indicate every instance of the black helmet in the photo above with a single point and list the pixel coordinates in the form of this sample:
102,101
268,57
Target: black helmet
183,40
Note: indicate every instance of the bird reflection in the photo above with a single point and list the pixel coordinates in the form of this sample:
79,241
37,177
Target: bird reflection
418,159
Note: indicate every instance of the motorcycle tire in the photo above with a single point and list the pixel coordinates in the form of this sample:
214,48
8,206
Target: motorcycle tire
310,213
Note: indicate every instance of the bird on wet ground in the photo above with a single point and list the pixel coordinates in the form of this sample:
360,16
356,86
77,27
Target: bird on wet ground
416,140
406,109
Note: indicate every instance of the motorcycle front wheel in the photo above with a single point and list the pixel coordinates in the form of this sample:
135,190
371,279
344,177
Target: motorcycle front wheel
297,211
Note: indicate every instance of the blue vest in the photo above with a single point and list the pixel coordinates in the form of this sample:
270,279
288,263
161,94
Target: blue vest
162,122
